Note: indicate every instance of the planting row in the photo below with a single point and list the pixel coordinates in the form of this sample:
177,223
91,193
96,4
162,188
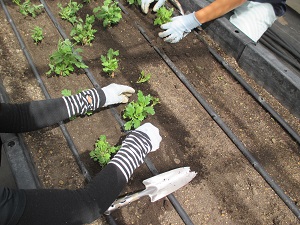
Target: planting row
190,136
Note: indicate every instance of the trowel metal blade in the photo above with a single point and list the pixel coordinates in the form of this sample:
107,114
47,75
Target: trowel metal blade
164,184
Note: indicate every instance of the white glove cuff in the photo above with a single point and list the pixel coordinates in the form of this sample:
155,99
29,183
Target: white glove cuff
191,22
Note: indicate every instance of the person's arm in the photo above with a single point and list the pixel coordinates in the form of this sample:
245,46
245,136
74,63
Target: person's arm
16,118
180,26
216,9
57,206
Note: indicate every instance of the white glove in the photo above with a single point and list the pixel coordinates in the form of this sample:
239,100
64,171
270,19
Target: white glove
116,93
153,134
145,5
179,27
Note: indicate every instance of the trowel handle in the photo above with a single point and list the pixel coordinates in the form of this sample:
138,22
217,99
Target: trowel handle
120,202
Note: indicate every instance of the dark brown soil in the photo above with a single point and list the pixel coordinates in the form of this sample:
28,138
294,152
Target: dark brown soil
227,189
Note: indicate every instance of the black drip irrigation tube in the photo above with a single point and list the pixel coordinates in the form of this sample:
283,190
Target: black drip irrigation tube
258,167
181,212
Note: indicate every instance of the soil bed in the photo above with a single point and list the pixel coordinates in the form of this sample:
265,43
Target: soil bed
227,189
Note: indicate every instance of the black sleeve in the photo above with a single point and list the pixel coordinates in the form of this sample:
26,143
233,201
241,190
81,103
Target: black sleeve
12,204
60,206
16,118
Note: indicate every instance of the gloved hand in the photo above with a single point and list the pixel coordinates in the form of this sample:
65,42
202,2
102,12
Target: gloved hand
179,27
153,134
116,93
145,5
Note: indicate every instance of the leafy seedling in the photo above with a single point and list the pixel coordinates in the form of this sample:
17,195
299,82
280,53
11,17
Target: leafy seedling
163,16
103,151
136,111
136,2
110,62
69,12
65,59
83,32
110,13
143,77
29,9
37,34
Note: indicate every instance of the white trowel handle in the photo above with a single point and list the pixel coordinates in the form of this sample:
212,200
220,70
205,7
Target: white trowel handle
120,202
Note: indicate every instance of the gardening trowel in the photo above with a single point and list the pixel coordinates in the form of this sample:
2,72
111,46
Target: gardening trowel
157,187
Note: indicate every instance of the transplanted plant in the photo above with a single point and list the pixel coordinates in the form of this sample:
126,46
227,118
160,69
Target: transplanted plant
110,13
69,12
136,111
103,151
136,2
37,34
143,77
29,9
65,59
163,16
110,62
83,32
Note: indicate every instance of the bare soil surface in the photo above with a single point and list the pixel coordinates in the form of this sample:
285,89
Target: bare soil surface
227,189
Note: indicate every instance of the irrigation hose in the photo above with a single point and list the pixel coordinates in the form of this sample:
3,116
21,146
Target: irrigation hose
149,164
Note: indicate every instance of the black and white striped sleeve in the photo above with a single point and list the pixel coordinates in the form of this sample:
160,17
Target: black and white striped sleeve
85,101
132,152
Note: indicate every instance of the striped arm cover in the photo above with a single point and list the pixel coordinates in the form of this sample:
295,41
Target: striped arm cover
83,102
132,152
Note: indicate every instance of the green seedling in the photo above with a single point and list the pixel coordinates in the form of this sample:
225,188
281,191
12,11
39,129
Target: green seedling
66,92
143,77
136,111
37,34
83,32
29,9
69,12
136,2
103,151
163,16
110,13
64,60
110,62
